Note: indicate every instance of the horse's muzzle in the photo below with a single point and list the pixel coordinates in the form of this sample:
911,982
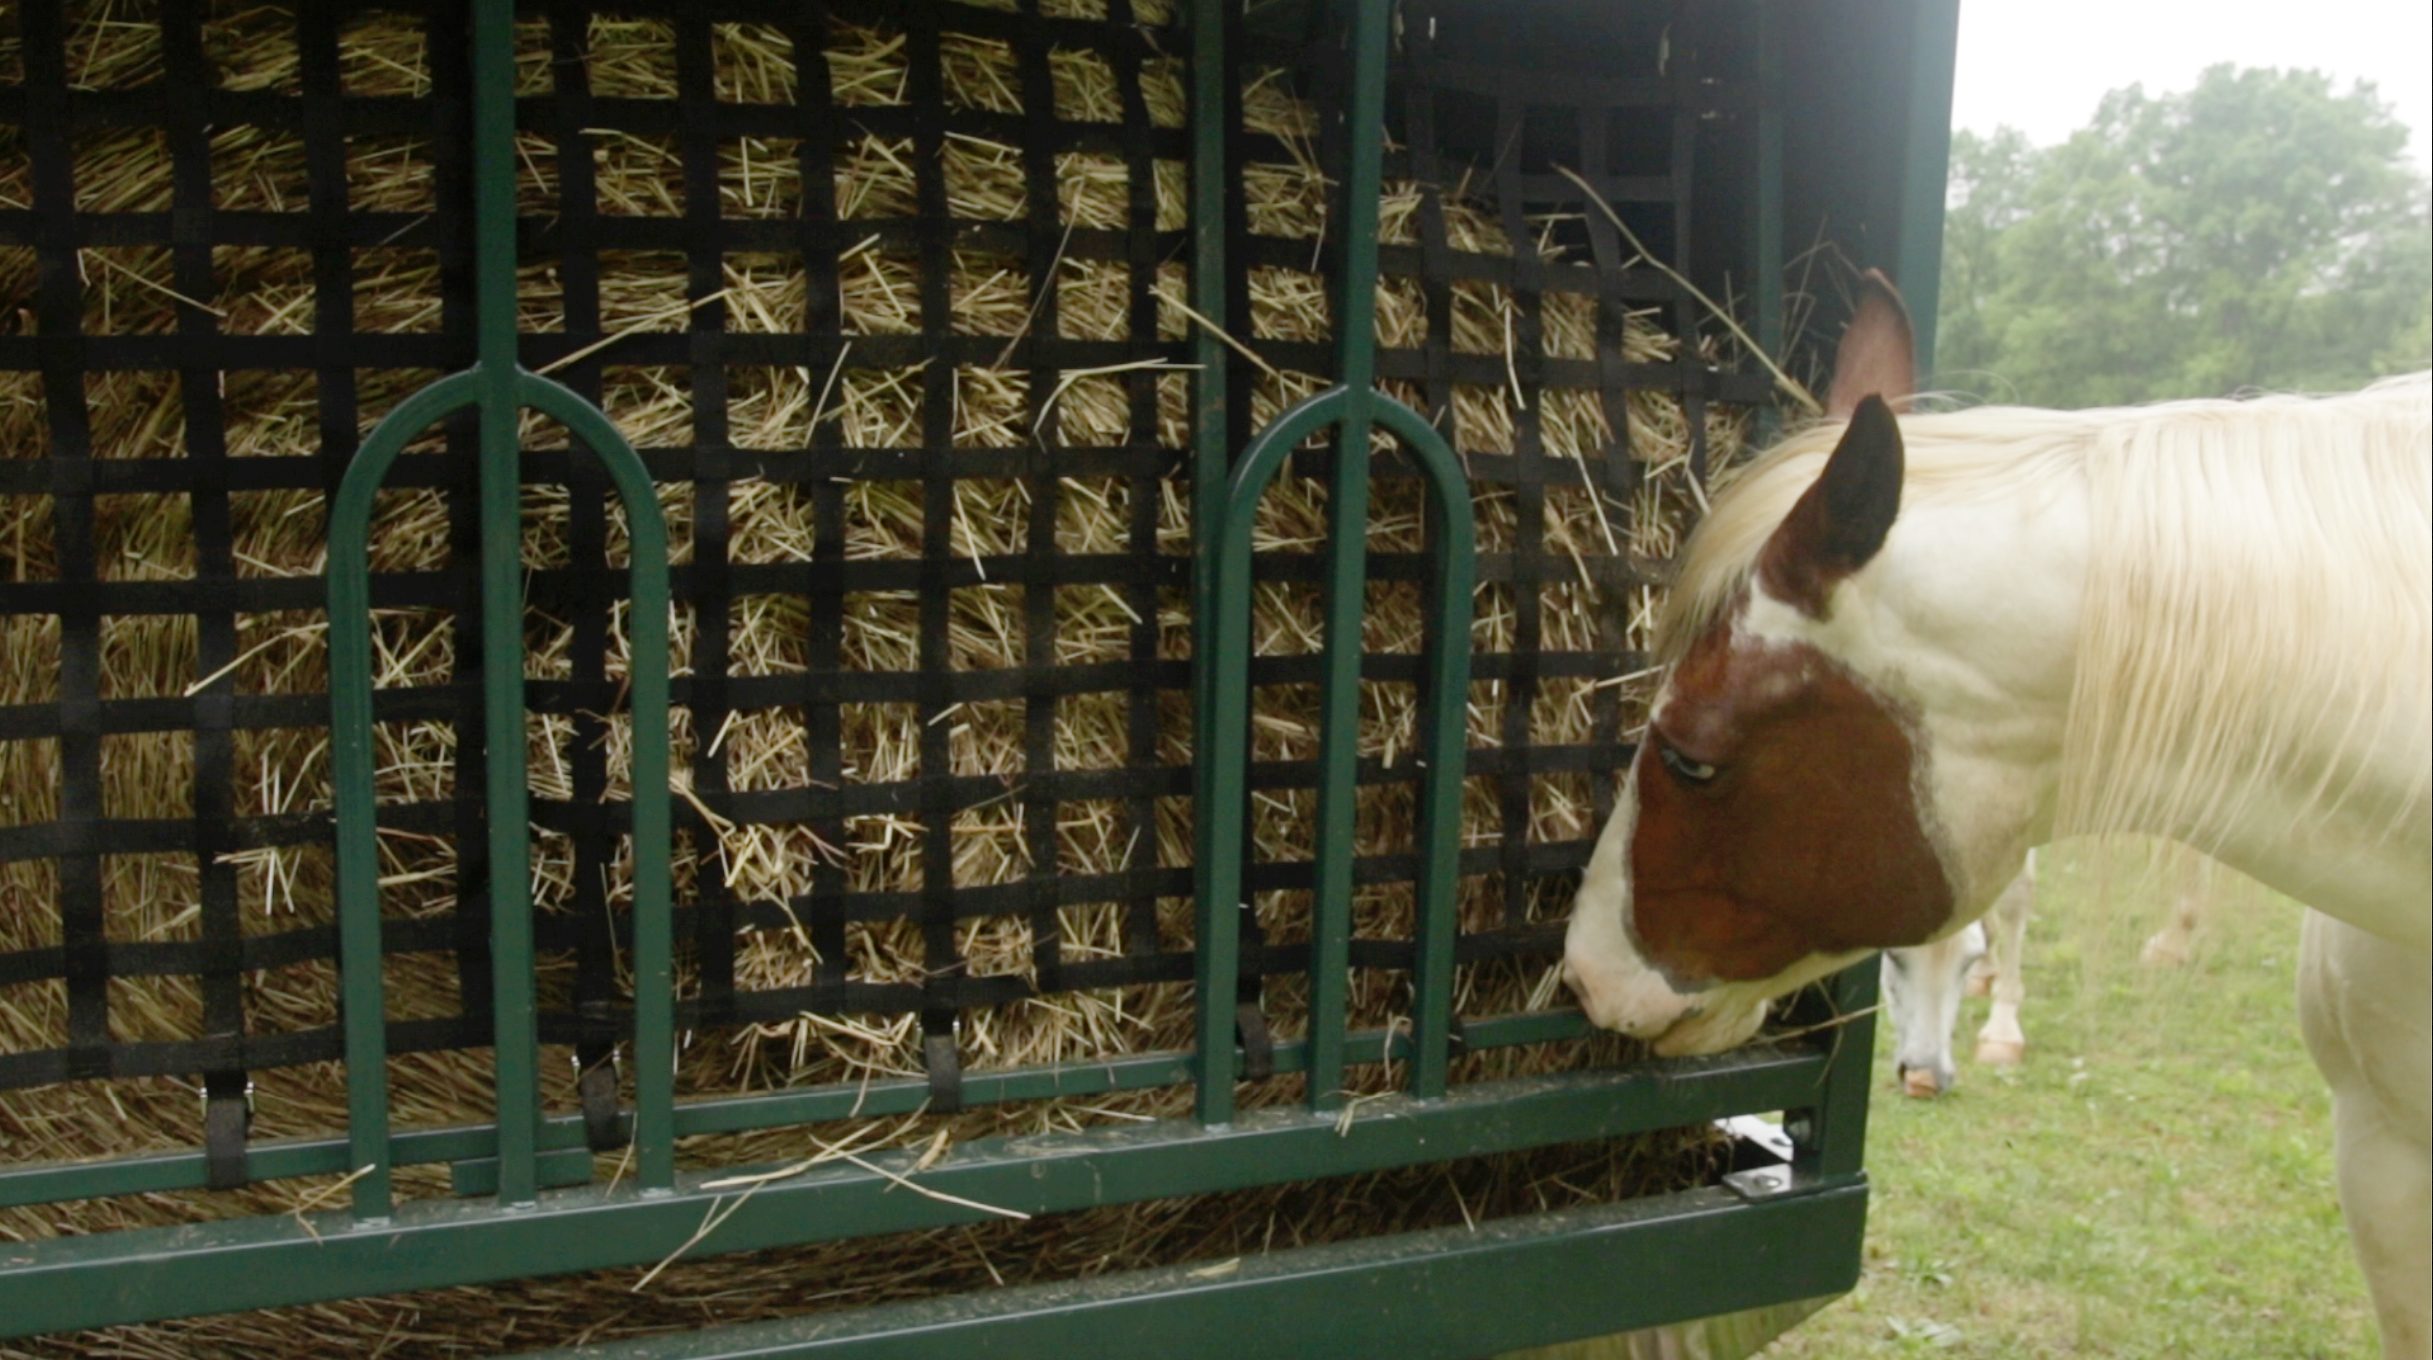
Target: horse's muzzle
1632,999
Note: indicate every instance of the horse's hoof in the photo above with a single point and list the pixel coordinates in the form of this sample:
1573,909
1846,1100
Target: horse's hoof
2001,1052
1919,1083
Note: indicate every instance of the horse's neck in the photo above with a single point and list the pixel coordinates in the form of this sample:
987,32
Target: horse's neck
1975,621
2253,663
2364,860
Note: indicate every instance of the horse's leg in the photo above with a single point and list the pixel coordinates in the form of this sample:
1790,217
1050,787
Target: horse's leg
2175,944
2367,1009
1982,973
2001,1043
1981,976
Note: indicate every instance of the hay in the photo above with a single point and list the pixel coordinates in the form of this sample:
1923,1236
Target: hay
281,533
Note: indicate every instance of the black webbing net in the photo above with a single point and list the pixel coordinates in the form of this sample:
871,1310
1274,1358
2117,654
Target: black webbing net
887,296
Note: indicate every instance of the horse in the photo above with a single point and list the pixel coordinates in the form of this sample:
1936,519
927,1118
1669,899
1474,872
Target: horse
1903,648
1923,985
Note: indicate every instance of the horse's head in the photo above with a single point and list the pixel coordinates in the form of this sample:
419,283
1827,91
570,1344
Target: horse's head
1922,989
1783,817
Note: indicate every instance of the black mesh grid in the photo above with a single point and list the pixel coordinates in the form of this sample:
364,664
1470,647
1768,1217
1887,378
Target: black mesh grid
137,404
244,361
1496,136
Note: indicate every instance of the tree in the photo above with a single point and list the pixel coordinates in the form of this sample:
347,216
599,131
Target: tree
2259,231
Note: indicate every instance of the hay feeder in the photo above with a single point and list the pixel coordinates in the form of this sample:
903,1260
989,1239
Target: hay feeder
795,678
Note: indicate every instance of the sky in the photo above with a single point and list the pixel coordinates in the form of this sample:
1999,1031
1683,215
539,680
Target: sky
2042,65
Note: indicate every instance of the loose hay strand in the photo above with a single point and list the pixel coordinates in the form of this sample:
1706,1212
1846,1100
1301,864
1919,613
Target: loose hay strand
1791,387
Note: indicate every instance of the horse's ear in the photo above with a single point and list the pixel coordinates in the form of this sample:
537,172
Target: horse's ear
1840,522
1878,356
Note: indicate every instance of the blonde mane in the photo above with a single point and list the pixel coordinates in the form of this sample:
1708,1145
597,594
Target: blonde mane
2259,594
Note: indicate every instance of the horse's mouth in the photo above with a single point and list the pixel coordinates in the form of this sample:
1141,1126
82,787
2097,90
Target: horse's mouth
1710,1029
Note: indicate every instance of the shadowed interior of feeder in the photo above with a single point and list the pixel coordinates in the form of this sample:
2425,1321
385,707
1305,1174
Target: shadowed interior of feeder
860,344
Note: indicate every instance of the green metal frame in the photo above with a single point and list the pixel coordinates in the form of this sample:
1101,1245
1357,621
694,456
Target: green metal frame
1420,1295
145,1274
499,387
1926,168
1350,408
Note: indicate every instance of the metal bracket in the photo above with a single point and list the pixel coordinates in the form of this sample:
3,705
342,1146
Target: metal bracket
945,1064
596,1081
1780,1140
1258,1044
227,1122
1762,1182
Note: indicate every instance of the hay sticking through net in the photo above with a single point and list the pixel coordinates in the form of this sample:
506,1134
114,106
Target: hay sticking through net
863,404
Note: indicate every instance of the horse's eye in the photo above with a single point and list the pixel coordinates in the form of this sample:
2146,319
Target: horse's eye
1686,770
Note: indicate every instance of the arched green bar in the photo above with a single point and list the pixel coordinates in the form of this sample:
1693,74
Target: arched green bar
1444,725
1223,597
654,929
1224,766
500,387
1224,763
351,771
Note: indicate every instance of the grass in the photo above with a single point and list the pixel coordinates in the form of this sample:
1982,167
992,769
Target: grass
2156,1181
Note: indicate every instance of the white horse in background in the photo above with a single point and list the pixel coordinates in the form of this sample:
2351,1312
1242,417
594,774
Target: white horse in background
1923,984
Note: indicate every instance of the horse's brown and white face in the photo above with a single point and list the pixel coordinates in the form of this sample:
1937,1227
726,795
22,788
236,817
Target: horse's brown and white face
1781,820
1771,829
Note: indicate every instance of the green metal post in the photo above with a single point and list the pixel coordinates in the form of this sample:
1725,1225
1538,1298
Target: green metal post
1347,559
1830,1137
516,1033
1768,283
499,386
1218,927
1926,169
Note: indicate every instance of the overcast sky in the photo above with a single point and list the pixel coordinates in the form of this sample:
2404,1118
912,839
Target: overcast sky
2041,65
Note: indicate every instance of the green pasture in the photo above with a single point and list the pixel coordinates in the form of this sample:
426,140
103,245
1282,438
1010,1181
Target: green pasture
2156,1181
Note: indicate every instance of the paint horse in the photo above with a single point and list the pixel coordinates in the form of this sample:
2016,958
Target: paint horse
1900,651
1924,983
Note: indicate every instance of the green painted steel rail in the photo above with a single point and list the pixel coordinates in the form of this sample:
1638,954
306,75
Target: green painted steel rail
274,1159
145,1274
1445,1294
